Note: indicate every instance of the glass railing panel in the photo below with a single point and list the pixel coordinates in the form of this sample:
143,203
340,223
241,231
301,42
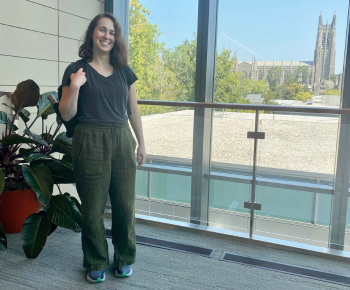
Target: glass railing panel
295,177
231,170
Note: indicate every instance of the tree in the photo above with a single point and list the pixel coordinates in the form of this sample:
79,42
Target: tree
290,78
292,90
274,76
302,96
332,92
181,61
333,77
269,99
303,72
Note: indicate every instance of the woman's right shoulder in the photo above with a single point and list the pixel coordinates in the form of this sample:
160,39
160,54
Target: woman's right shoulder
73,67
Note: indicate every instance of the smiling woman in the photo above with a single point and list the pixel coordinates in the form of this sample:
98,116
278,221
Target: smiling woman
95,94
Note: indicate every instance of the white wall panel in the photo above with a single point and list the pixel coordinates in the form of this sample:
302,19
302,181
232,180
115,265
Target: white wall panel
25,43
28,15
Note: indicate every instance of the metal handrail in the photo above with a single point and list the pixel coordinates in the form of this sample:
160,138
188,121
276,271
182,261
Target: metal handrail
251,107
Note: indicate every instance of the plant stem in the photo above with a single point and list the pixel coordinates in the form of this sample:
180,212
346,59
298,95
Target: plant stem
59,189
56,131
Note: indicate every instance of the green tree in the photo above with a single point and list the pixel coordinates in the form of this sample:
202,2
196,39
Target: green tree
292,90
290,78
302,96
274,76
331,92
303,72
333,77
230,86
181,61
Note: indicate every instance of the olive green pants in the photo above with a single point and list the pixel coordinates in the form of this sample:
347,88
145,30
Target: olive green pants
104,162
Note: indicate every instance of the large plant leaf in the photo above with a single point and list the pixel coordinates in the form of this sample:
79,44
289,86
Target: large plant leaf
44,105
3,240
67,160
17,139
26,95
77,203
34,156
3,117
34,232
61,173
2,181
4,93
24,114
63,212
61,148
39,178
62,138
52,228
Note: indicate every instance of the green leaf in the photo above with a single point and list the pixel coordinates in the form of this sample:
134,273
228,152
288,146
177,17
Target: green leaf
61,173
52,228
34,232
17,139
39,178
63,212
34,156
67,160
77,204
26,95
62,138
61,148
3,117
3,240
2,181
44,105
24,114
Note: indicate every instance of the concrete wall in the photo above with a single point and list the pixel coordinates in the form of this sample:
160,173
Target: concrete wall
39,39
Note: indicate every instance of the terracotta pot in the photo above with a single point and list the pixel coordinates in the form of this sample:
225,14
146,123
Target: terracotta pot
15,207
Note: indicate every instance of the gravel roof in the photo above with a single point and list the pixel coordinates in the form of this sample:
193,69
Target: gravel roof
292,142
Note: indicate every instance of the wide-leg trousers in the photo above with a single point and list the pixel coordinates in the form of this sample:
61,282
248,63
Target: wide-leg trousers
104,163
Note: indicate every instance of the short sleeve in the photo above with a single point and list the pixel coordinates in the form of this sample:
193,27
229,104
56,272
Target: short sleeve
130,75
71,69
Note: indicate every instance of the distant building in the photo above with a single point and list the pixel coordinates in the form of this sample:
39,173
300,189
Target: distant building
255,98
320,69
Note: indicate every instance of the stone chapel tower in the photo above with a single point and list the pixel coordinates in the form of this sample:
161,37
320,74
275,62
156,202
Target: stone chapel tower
324,57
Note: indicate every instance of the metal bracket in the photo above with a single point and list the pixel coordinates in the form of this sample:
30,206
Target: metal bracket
256,135
256,206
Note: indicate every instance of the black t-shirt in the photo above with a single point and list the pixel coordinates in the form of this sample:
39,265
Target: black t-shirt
101,99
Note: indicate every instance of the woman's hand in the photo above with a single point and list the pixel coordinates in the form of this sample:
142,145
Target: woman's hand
78,79
141,155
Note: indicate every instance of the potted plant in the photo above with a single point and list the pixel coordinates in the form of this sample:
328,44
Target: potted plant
28,175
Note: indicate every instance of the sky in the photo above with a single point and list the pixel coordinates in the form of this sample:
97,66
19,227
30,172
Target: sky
264,30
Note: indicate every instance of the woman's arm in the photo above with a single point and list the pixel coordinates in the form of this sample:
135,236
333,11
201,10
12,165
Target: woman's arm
136,124
69,99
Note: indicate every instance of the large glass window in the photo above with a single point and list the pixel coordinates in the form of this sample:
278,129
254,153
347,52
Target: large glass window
163,46
265,55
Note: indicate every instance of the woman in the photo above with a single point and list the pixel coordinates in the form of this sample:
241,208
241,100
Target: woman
97,90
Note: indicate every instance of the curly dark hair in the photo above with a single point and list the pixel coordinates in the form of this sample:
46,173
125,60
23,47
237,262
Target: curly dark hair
119,53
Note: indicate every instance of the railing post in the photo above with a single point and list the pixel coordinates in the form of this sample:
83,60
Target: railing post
204,92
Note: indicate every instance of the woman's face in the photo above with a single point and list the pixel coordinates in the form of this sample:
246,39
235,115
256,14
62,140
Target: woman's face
104,35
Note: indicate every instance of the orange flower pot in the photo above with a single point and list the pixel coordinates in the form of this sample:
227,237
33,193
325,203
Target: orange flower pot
15,207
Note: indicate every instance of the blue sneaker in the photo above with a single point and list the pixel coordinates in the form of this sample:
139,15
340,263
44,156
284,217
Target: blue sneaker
95,276
125,271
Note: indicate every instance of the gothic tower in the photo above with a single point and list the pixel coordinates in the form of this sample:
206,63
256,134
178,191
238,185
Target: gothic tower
324,57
